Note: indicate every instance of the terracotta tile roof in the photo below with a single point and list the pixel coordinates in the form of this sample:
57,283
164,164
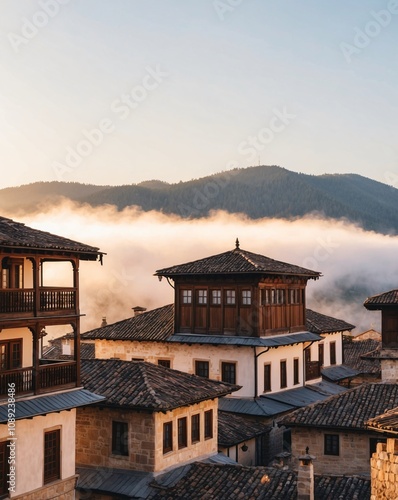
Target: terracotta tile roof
156,325
348,410
16,235
54,350
234,429
141,385
354,350
233,482
383,299
386,422
320,323
237,261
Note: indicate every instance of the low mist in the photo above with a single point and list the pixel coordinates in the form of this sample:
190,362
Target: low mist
354,263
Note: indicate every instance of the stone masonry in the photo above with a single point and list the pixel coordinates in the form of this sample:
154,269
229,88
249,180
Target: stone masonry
384,471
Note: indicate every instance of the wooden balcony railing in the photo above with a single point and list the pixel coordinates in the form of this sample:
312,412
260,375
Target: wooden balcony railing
56,374
49,376
312,370
50,300
17,301
22,378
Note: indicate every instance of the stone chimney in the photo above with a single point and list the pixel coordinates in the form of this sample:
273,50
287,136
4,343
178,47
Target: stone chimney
138,310
305,477
103,322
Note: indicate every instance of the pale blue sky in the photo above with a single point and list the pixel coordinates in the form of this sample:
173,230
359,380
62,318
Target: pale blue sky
211,84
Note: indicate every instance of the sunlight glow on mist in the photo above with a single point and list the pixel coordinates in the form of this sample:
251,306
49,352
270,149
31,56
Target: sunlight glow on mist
354,263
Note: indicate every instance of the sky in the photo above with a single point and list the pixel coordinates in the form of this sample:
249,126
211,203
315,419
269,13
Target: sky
122,91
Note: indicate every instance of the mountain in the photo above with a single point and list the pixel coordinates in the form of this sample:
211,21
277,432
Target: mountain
264,191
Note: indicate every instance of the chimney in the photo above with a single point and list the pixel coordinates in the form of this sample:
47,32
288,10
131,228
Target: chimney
305,477
103,322
138,310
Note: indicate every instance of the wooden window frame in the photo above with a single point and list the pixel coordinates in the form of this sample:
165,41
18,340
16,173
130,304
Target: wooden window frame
52,456
228,371
332,445
195,428
182,432
4,467
202,368
208,424
333,353
230,297
267,377
8,273
9,344
321,354
120,441
246,297
164,362
201,297
216,297
283,373
296,371
186,296
167,437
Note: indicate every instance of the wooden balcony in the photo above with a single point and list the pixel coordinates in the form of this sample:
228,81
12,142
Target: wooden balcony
312,370
50,300
47,378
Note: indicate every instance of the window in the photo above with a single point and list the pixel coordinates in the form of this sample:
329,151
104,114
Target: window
202,369
187,296
182,432
296,375
267,377
4,467
216,297
208,424
294,296
332,444
274,296
120,438
246,297
228,372
332,353
11,354
321,354
164,362
12,273
202,297
230,297
167,437
283,374
195,428
52,456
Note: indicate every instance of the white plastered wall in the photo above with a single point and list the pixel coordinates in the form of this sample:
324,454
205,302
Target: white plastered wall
30,448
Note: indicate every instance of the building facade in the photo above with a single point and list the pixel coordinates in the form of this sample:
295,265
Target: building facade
38,398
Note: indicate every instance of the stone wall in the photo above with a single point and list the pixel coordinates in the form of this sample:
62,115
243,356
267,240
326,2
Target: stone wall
389,370
59,490
353,455
94,439
384,471
145,438
194,451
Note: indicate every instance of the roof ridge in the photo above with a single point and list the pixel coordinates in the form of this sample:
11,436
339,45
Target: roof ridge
144,373
243,253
